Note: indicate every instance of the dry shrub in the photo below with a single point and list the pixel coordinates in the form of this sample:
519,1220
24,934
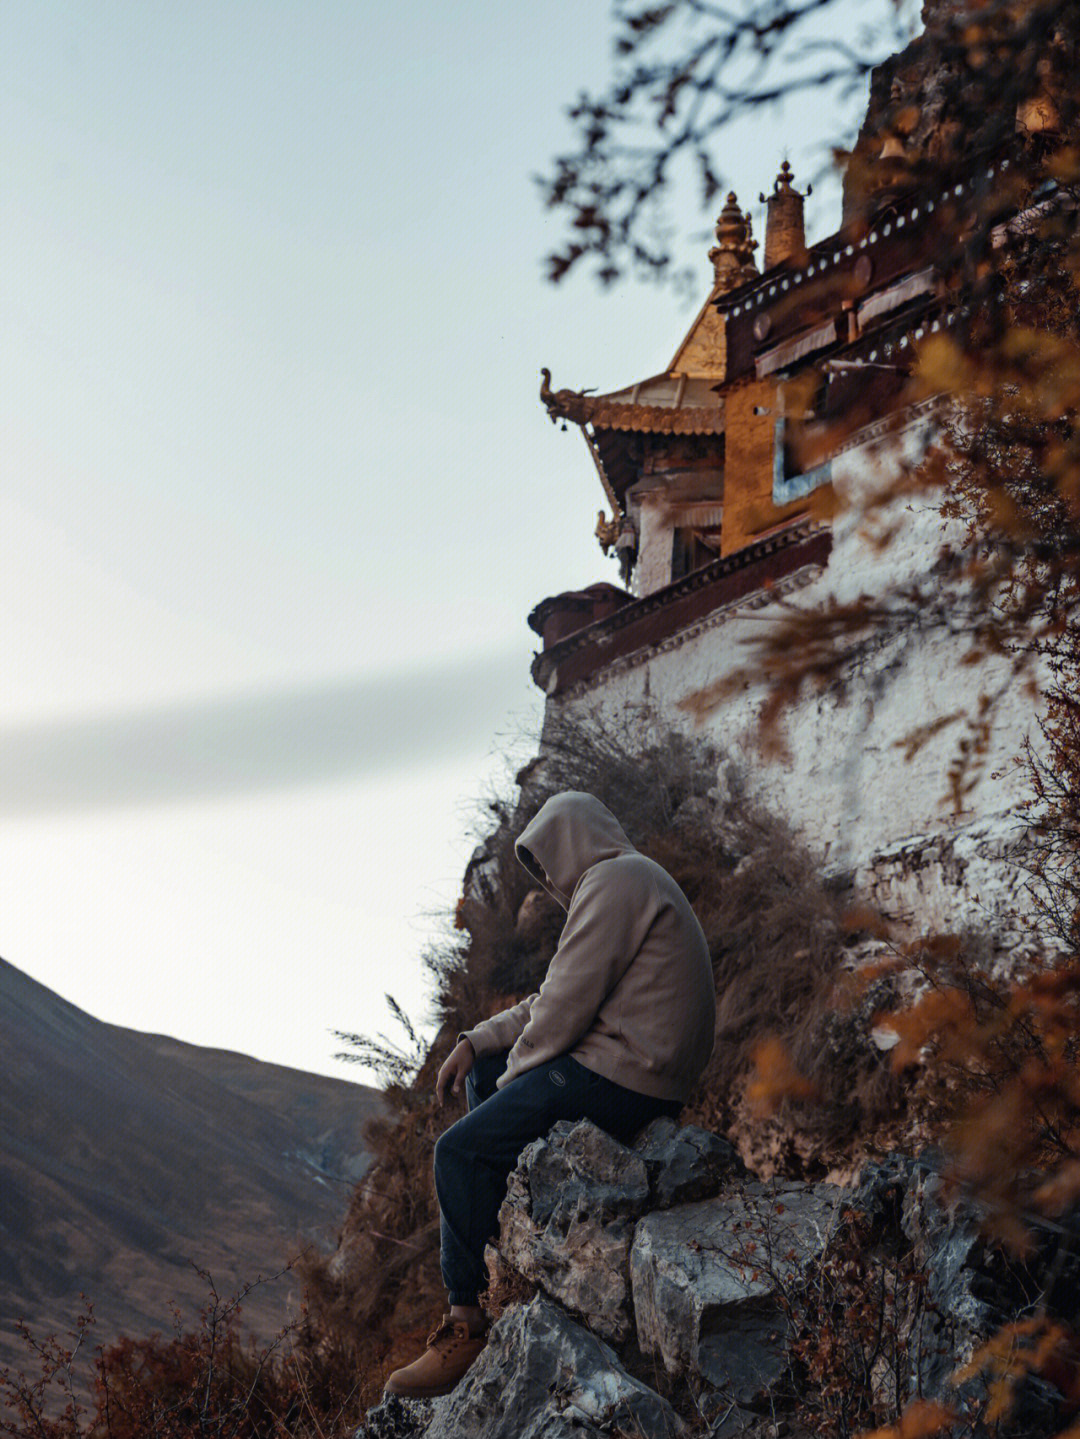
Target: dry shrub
989,1056
860,1323
206,1381
785,1012
778,950
382,1287
47,1397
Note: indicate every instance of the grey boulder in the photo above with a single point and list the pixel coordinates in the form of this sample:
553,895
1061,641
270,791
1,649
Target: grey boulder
568,1221
397,1418
948,1247
707,1280
684,1163
544,1377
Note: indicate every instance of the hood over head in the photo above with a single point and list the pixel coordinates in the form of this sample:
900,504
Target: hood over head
570,833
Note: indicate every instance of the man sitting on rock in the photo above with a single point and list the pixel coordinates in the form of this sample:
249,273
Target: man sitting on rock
618,1033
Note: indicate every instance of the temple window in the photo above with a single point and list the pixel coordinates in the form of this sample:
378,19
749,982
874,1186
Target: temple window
690,549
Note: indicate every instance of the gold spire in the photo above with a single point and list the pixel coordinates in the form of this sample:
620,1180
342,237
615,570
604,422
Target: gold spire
733,255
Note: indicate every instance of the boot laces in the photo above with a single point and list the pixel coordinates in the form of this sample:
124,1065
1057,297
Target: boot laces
448,1335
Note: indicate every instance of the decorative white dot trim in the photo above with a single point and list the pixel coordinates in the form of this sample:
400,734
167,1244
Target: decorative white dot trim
821,262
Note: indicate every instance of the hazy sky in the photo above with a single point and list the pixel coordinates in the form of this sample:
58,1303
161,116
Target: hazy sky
278,492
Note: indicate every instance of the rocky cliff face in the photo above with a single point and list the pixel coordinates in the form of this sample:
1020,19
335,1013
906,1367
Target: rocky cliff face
979,80
663,1291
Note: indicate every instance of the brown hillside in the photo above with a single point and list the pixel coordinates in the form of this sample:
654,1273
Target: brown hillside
128,1158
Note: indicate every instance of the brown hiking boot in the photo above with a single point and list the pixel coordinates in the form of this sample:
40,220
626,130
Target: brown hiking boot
449,1355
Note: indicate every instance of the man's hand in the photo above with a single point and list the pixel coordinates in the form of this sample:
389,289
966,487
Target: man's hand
461,1060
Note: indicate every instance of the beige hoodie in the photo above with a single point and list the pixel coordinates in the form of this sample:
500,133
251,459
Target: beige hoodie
629,992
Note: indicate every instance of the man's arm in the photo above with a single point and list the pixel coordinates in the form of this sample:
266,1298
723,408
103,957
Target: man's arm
501,1031
455,1069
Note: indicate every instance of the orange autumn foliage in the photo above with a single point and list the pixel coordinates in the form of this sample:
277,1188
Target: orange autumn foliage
774,1078
920,1420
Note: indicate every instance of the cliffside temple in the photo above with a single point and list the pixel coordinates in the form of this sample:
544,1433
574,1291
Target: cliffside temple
738,481
787,1138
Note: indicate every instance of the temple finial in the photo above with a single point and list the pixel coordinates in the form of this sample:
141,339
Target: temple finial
785,235
733,255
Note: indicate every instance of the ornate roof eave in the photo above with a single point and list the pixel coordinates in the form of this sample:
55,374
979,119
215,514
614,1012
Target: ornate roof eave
611,439
613,412
659,419
606,484
609,421
721,299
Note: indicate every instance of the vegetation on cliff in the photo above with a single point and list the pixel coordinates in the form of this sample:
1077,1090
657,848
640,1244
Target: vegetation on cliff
782,948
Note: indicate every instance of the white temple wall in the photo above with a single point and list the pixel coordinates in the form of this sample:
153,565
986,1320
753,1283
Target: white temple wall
849,783
655,539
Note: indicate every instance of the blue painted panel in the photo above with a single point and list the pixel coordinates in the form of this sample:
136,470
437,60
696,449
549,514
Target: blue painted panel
794,487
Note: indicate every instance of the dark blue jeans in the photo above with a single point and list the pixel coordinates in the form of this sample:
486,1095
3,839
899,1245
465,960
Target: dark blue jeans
474,1158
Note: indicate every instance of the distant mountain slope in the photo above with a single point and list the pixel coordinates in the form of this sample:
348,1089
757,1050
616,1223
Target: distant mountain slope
126,1158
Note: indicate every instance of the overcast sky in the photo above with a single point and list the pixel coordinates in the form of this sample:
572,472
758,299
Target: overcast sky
278,492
